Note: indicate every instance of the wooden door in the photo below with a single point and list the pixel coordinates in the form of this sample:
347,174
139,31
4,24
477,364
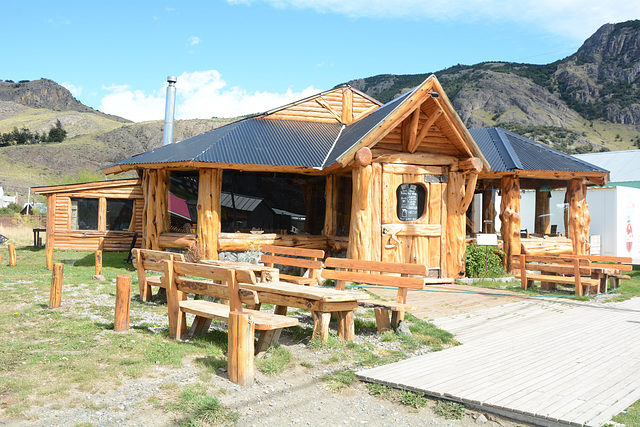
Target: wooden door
414,216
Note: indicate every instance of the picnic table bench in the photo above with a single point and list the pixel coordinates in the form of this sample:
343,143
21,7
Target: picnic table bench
322,302
608,269
567,270
309,260
402,276
183,278
150,260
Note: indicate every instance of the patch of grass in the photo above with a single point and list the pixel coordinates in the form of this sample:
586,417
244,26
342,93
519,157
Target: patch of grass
381,390
413,399
450,410
201,409
275,361
339,379
629,417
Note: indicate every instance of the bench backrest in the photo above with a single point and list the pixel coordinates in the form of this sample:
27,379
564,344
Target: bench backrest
375,273
621,263
310,259
147,259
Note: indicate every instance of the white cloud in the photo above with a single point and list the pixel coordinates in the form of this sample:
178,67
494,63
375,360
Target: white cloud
58,21
76,91
200,94
194,41
574,18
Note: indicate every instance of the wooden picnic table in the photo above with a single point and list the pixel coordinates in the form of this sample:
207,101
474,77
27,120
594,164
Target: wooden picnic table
320,301
262,272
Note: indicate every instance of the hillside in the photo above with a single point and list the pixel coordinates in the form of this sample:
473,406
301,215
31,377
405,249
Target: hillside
585,102
589,101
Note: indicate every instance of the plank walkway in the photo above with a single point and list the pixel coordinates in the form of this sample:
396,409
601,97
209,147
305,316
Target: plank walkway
543,362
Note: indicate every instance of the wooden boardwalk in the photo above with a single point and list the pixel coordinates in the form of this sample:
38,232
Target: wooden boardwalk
547,363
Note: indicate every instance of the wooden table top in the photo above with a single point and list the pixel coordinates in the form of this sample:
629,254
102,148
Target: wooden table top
308,292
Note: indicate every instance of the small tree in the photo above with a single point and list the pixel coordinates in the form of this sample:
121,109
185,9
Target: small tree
57,133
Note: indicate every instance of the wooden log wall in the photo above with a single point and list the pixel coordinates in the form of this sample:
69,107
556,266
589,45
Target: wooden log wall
543,211
209,189
510,217
341,105
579,216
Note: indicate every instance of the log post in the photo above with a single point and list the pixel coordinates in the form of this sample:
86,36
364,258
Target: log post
55,295
459,196
361,233
13,260
99,256
488,211
123,300
543,211
241,348
209,188
579,217
51,210
510,217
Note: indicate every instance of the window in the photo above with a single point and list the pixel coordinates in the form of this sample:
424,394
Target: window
410,201
84,214
182,202
119,214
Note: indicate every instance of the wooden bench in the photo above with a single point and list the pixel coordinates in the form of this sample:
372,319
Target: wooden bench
183,278
149,260
608,269
376,273
554,270
307,259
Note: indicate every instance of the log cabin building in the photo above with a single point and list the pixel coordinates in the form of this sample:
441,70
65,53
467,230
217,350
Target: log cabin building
93,216
385,182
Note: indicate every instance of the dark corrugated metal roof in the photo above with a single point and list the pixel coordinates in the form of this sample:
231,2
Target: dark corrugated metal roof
254,141
507,151
242,202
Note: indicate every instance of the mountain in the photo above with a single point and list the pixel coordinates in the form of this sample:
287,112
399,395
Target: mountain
587,101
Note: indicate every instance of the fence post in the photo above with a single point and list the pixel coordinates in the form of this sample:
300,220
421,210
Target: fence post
123,299
12,255
55,296
99,256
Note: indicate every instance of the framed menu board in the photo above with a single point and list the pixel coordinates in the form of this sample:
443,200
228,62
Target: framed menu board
410,198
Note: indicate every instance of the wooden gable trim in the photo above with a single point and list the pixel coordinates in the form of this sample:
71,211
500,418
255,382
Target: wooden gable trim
596,178
424,131
84,186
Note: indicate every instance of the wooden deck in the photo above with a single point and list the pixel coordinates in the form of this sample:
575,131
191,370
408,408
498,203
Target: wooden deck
543,362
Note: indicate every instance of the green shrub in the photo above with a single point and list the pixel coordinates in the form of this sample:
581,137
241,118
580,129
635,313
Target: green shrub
484,261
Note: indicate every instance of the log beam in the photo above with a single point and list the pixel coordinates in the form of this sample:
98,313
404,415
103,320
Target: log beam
579,216
543,212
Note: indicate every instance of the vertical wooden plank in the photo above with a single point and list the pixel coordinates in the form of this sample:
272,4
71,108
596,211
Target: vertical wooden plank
444,269
321,325
346,327
456,225
123,300
510,217
523,272
176,327
576,273
376,212
55,295
330,213
435,213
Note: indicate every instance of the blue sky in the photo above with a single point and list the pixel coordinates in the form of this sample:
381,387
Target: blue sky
236,57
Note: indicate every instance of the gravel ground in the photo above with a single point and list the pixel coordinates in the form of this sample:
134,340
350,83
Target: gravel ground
296,397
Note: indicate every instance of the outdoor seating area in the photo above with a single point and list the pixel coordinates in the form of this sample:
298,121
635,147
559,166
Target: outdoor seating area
579,272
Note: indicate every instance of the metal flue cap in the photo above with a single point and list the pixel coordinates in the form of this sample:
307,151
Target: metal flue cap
172,79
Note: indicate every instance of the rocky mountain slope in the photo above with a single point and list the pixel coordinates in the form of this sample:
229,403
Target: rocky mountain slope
587,101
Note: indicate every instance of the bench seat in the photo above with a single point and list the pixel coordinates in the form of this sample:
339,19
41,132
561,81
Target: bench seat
567,280
262,320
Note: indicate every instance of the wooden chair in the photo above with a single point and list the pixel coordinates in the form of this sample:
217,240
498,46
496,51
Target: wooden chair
149,260
182,278
376,273
306,259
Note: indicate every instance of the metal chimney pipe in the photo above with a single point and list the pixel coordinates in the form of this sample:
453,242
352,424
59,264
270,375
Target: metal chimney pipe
169,111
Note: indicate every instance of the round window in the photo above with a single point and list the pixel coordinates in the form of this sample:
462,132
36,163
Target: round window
410,201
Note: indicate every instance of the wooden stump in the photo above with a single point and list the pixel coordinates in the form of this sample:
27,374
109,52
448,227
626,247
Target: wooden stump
55,295
99,257
241,348
123,299
12,255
